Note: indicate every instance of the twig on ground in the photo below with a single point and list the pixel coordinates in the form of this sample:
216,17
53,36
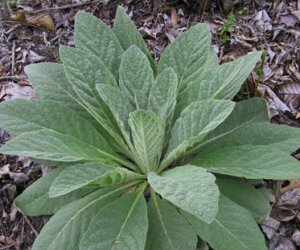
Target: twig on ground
30,225
68,6
13,57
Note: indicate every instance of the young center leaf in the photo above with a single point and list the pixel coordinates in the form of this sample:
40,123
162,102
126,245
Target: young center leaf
189,188
147,137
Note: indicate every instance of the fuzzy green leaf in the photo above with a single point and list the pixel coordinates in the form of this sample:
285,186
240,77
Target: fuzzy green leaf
89,175
251,162
162,97
189,188
188,54
195,122
21,116
136,76
67,227
233,228
147,137
35,200
246,196
94,36
128,34
121,225
167,228
221,83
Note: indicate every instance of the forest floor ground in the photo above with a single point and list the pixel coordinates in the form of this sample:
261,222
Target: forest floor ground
32,30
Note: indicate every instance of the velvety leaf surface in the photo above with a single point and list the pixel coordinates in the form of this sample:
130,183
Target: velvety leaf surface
187,54
195,122
95,37
89,175
50,83
66,228
84,71
251,162
167,228
147,137
118,103
162,96
136,76
189,188
21,116
245,195
35,200
57,147
221,83
233,228
121,225
128,34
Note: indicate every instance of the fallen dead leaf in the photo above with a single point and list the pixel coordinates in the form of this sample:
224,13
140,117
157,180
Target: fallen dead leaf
174,17
41,20
293,184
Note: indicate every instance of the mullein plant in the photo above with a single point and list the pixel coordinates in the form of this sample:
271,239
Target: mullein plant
146,156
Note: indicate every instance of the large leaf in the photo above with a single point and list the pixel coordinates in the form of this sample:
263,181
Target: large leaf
58,147
21,116
233,228
167,228
89,175
162,97
128,34
147,137
188,54
121,225
136,76
50,83
84,71
221,83
189,188
66,228
118,103
251,162
245,112
229,77
35,201
95,37
246,196
195,122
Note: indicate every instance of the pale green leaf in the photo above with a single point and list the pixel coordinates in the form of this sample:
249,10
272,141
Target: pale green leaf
21,116
188,54
128,34
84,71
117,102
245,112
94,36
57,147
194,123
121,225
147,137
223,82
66,228
89,175
162,97
167,228
245,195
50,83
136,76
35,200
233,228
189,188
251,162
